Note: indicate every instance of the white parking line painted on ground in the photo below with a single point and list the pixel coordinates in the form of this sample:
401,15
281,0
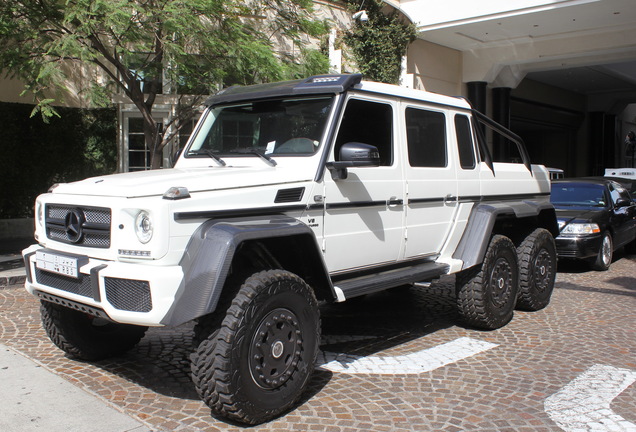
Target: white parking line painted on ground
584,403
415,363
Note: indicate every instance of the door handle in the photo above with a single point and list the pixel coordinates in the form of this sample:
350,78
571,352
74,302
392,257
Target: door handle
450,197
394,202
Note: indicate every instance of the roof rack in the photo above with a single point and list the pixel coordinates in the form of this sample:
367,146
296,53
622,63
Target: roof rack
317,84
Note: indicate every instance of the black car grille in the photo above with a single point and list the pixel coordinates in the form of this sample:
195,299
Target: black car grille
123,294
81,286
128,295
93,230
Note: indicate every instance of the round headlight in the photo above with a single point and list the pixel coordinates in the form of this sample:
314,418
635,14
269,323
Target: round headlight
143,227
40,212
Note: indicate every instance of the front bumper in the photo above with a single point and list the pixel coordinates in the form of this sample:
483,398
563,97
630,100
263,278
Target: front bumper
126,293
579,247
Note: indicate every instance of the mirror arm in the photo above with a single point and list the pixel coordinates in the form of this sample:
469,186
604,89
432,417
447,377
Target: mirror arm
338,170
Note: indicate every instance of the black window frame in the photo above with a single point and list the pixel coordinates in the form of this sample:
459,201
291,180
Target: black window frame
417,150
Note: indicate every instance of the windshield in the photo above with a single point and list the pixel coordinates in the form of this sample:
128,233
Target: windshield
578,195
272,127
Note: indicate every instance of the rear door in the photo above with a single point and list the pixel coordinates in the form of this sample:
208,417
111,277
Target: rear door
430,171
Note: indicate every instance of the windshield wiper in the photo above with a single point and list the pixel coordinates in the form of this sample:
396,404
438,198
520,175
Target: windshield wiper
260,154
209,153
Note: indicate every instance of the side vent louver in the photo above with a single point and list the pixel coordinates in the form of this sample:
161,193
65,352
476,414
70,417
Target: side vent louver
289,195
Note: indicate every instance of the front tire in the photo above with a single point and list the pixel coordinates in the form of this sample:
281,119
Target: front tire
605,253
487,294
85,336
258,363
537,270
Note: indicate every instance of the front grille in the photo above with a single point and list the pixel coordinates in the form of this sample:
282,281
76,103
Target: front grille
94,230
81,286
128,295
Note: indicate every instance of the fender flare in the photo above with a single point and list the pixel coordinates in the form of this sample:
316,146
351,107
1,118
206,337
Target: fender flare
481,222
208,257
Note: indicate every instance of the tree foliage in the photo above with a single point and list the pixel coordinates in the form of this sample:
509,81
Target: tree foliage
144,48
379,44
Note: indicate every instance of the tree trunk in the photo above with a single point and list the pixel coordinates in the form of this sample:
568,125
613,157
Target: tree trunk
153,133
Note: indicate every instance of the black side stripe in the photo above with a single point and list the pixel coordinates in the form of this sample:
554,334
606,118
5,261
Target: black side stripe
480,198
355,204
258,211
425,200
268,211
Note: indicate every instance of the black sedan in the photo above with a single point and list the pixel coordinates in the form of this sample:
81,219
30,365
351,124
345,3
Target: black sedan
596,216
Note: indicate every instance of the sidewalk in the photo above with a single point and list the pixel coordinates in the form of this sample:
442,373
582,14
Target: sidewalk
34,399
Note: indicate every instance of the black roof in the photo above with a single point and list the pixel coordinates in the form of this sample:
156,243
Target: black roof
319,84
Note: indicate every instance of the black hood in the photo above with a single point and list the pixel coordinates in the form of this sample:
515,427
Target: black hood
598,216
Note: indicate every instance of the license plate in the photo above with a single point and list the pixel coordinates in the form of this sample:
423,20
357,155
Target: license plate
60,264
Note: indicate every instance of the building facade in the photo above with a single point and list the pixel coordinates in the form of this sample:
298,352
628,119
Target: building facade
560,73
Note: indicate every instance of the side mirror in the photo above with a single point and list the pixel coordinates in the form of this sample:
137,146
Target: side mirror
353,154
623,202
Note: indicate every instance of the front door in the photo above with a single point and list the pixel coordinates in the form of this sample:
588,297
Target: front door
364,213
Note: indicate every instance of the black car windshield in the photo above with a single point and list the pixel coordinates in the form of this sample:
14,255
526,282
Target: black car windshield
270,127
578,195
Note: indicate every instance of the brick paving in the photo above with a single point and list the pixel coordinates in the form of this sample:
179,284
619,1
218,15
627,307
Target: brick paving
590,321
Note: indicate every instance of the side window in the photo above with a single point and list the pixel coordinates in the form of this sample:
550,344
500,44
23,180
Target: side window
464,142
369,123
426,137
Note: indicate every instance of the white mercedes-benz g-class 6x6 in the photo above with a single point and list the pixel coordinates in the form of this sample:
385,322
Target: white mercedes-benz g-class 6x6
287,195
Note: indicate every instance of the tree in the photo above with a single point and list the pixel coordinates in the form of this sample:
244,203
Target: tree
144,48
379,43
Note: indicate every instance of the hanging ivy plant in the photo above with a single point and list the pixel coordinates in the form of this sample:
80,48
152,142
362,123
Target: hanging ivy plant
379,43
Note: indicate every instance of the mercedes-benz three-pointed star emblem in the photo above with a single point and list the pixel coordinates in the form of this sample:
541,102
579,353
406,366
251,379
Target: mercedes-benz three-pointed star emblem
73,225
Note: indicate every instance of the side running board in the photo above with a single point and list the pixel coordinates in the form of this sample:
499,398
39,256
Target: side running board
390,279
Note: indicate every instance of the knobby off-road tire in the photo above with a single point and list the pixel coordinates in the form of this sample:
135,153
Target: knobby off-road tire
487,294
537,270
87,337
603,260
258,363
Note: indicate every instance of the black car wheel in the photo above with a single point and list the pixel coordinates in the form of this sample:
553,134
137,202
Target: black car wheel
258,363
487,294
87,337
604,258
537,270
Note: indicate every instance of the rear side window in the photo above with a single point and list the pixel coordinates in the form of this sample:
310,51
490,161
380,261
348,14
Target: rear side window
426,137
464,142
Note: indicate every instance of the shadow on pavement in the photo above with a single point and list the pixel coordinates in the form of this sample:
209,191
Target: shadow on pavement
365,326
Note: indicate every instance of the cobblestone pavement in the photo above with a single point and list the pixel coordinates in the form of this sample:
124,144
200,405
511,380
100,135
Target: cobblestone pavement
398,361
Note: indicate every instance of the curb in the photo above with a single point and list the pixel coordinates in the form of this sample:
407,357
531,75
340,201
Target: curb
12,281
